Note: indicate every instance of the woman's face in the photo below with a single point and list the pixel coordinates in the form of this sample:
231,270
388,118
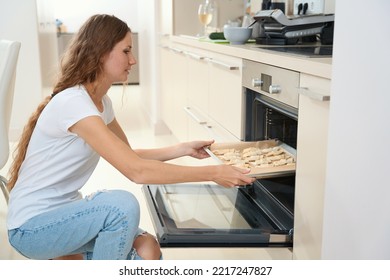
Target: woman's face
118,62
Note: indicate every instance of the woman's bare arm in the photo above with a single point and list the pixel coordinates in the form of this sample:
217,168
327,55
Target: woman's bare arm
194,149
118,153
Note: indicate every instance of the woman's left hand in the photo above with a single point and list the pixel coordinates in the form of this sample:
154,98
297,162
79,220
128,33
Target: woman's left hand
195,148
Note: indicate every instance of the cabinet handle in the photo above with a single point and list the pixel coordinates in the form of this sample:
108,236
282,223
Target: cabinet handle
213,134
194,56
193,116
314,95
176,50
224,65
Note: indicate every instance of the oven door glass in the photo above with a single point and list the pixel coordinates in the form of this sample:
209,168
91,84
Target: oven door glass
188,215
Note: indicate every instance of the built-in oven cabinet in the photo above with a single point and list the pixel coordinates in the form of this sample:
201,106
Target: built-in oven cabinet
311,166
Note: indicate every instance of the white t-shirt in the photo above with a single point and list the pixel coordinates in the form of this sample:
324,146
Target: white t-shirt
58,163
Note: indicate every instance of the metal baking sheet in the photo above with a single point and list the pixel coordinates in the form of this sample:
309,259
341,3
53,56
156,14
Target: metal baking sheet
259,172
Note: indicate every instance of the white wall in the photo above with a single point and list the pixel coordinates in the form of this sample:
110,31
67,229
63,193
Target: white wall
73,13
18,22
357,198
148,38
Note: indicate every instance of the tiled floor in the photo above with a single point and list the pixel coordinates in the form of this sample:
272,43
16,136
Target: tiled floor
139,133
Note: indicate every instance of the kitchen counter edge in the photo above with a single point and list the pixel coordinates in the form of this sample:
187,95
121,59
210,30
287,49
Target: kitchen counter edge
321,67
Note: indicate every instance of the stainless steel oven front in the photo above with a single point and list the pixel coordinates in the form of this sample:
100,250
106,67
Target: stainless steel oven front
259,215
271,95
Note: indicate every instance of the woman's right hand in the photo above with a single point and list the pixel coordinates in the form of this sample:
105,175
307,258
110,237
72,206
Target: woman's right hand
231,176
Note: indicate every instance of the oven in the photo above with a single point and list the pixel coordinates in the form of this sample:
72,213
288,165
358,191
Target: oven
257,215
271,100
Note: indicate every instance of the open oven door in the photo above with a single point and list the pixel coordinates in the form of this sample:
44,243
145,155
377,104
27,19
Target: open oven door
206,215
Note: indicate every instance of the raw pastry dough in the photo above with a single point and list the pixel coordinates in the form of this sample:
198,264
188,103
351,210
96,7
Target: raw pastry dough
254,157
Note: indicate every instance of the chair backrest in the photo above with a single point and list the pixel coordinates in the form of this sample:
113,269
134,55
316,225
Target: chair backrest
9,52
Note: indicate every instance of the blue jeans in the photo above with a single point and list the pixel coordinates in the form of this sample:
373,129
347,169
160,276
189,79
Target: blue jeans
102,226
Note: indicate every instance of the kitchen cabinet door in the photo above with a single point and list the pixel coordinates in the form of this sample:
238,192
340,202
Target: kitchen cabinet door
197,130
225,93
204,97
198,94
198,80
311,166
174,85
202,94
219,133
167,112
180,86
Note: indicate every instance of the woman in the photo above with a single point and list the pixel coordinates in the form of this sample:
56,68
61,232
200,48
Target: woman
61,145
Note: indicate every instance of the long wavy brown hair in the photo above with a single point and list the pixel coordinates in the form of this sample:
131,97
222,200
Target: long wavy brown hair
81,63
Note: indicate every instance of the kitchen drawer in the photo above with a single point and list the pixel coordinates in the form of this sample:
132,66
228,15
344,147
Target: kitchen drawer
198,79
201,127
226,93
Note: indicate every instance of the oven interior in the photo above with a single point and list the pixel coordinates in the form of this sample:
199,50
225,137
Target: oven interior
267,118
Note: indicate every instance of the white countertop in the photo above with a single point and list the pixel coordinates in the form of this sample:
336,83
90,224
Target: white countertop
321,67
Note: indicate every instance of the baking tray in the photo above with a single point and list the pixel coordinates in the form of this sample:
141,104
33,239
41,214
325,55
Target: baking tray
259,172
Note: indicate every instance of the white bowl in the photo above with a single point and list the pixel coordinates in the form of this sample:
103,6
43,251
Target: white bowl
237,35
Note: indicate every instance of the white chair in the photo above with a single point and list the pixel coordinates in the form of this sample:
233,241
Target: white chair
9,52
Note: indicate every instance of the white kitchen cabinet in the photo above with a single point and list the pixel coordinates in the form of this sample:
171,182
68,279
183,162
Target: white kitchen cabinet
226,93
174,90
198,79
165,86
214,96
194,105
198,94
311,166
180,86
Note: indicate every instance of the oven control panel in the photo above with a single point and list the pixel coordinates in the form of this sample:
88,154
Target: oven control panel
278,83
